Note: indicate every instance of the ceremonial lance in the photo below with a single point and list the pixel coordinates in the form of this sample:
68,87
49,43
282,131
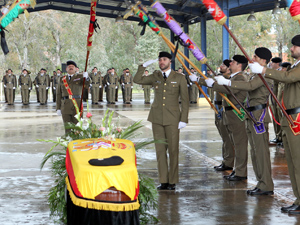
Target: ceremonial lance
92,26
175,27
294,8
221,18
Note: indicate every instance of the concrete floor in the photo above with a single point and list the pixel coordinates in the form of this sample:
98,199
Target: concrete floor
202,195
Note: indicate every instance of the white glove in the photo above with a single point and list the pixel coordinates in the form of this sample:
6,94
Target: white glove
193,77
4,85
131,86
123,84
108,83
85,75
29,89
37,86
181,125
148,63
100,86
47,88
255,67
54,88
116,87
14,88
58,112
91,85
223,81
209,82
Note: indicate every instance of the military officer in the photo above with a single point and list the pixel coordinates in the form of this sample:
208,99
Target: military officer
42,82
227,146
10,84
127,83
117,85
122,86
111,81
291,103
53,85
64,103
193,89
95,84
25,84
101,89
257,100
234,124
166,116
147,89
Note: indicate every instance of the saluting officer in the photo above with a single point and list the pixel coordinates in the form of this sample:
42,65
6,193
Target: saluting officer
42,82
10,84
25,84
166,116
291,103
96,83
64,103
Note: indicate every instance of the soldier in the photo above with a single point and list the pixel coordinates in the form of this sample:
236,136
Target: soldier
65,97
25,84
146,89
4,86
258,135
53,85
42,83
127,84
10,84
122,86
193,89
105,83
275,64
117,85
291,104
111,82
227,146
165,114
235,125
101,89
96,83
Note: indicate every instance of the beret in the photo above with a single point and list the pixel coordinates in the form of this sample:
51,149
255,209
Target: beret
112,161
227,62
165,54
296,40
285,64
240,58
276,60
70,62
263,53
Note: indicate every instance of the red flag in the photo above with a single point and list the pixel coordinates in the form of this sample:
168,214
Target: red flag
92,24
294,8
215,11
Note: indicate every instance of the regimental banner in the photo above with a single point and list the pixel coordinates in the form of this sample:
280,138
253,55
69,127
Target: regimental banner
92,24
294,8
215,11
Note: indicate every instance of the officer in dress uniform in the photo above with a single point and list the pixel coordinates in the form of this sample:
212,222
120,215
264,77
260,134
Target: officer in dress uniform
64,103
10,84
234,124
25,84
291,103
111,81
166,116
147,89
194,89
42,82
95,84
127,83
256,105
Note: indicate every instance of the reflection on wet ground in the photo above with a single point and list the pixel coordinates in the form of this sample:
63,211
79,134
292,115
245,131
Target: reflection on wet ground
202,195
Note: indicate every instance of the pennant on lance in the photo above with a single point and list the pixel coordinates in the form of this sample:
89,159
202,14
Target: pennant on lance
215,11
294,8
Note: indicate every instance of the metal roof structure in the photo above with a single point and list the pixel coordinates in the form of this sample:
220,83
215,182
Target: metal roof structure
183,11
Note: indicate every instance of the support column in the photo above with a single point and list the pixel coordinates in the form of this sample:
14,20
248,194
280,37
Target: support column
186,50
203,48
225,34
173,65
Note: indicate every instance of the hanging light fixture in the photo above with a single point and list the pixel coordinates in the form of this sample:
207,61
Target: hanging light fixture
251,17
119,19
276,10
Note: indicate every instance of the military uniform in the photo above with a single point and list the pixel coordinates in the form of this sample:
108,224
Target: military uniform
54,82
43,84
26,85
127,83
4,87
194,93
147,89
117,88
101,90
10,82
111,81
257,105
95,84
291,142
165,115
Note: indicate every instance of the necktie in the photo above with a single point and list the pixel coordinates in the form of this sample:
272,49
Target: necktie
70,78
165,76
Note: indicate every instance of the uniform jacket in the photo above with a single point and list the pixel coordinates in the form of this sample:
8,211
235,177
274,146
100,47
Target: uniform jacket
127,80
10,81
42,80
95,80
165,109
66,105
25,81
291,91
112,79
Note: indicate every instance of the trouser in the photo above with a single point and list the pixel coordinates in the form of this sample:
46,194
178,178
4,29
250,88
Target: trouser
42,94
95,93
194,93
277,128
291,148
85,96
227,146
37,94
10,95
68,118
111,93
239,139
101,94
170,133
117,93
260,156
25,95
5,96
147,89
127,90
54,95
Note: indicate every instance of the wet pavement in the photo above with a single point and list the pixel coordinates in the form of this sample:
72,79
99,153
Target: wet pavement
202,195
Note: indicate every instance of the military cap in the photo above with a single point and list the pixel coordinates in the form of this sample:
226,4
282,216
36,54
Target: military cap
296,40
276,60
227,62
70,62
240,59
24,70
165,54
285,64
111,161
43,69
263,53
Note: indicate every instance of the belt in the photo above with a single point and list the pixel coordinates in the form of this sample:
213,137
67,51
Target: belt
95,83
71,96
41,84
218,102
128,83
228,108
256,107
23,84
293,111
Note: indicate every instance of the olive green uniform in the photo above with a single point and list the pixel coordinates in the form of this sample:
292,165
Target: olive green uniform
54,82
10,82
101,90
291,142
4,88
26,85
258,96
165,115
126,83
43,83
95,83
111,81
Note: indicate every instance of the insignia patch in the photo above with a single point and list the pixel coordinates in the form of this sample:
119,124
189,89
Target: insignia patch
173,82
76,79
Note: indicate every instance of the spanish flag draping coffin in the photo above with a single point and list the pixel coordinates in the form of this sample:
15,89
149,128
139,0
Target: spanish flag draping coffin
102,182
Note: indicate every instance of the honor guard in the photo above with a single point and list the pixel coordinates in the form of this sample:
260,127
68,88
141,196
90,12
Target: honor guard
111,82
10,84
25,84
42,82
4,86
95,85
69,93
193,89
53,85
147,89
127,83
166,115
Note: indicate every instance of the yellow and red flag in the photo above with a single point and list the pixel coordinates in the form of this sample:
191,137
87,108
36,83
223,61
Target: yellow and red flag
294,8
215,11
